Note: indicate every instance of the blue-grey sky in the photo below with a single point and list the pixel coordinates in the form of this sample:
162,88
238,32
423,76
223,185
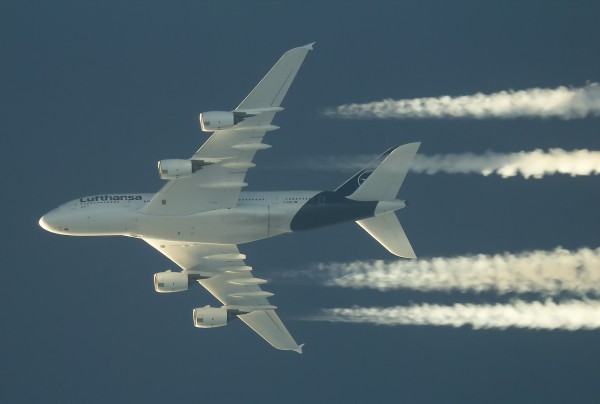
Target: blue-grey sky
94,93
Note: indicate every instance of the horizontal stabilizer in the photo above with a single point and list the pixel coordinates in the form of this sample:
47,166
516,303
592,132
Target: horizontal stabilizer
387,230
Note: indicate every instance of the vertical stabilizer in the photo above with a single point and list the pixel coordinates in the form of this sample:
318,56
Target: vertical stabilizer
352,184
384,182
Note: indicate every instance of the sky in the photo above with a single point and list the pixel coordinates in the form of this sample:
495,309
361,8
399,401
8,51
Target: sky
94,93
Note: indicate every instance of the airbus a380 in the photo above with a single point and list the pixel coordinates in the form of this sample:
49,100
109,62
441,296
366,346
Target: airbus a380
200,215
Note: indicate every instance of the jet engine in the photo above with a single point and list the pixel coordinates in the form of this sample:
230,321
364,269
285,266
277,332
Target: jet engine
217,120
173,169
209,317
167,282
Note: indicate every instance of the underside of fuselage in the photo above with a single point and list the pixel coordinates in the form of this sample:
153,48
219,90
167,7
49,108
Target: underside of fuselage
258,215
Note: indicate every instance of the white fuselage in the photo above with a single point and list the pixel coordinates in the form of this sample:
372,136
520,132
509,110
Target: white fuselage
258,215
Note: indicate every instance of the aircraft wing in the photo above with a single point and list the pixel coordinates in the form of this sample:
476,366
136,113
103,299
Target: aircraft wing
227,155
227,277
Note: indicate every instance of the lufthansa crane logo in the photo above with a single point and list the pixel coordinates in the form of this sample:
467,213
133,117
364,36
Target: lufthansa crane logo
363,177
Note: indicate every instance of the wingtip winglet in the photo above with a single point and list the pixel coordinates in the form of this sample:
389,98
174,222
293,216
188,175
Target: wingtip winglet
299,349
309,46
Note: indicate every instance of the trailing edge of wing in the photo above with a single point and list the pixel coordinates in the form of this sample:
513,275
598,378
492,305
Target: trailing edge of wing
269,92
267,324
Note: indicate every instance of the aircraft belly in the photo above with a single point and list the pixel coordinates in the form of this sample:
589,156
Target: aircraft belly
221,226
244,224
280,218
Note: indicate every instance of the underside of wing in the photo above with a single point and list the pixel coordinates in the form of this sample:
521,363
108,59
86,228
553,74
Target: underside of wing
220,269
224,161
238,291
219,167
268,325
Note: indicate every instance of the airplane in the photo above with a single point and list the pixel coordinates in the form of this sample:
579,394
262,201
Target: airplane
200,215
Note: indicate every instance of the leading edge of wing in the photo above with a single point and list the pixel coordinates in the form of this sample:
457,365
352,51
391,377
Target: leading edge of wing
273,87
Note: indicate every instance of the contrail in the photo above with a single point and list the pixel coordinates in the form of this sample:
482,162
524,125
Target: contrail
569,315
534,164
562,102
528,164
549,273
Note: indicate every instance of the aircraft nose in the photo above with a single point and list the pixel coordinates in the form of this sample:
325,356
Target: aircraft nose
48,223
44,224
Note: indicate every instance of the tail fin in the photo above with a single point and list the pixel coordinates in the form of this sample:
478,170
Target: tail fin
380,181
387,230
352,184
382,178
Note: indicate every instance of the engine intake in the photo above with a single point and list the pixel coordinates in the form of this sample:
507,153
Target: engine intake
168,282
209,317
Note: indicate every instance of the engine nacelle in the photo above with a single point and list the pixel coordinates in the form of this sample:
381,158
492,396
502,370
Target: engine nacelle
168,282
209,317
173,169
217,120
